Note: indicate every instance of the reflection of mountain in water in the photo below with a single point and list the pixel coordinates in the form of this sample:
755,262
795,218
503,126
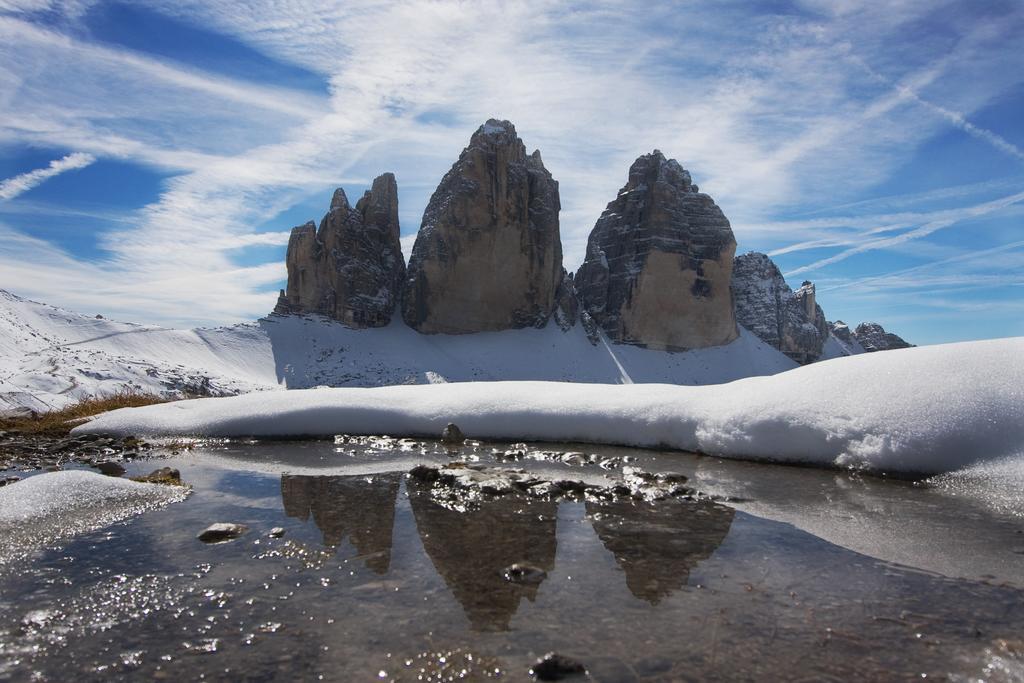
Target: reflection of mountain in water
657,545
360,507
471,550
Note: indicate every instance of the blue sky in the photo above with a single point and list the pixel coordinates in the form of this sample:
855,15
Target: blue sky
154,154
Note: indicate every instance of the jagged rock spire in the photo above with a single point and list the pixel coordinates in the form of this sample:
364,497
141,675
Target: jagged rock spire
790,321
488,255
659,262
351,268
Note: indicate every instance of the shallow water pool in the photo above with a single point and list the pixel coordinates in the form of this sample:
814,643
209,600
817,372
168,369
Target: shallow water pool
790,574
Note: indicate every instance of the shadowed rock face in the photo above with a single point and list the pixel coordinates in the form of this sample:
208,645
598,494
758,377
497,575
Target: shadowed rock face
351,269
657,545
361,508
488,255
841,331
790,321
873,337
567,303
659,262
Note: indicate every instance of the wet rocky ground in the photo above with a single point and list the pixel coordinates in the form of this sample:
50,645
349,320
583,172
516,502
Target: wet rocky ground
411,560
26,452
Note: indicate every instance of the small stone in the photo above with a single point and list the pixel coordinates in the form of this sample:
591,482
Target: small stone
164,475
452,434
555,667
424,473
524,573
276,532
570,486
10,479
110,468
222,532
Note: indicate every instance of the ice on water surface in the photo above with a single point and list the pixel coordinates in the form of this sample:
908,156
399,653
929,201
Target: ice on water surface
44,509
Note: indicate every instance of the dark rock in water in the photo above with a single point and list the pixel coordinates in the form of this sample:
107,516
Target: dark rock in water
351,268
671,477
110,468
792,322
524,573
164,475
556,667
221,532
452,434
488,255
424,473
570,485
10,479
464,484
276,532
659,262
873,337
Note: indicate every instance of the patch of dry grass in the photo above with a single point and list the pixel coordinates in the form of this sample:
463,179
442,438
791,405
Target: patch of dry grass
57,423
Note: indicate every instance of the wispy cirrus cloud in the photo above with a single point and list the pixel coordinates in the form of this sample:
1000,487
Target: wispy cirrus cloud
767,110
924,275
19,184
947,219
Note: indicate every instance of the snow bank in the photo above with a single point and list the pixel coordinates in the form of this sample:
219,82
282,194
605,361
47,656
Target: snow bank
928,409
46,508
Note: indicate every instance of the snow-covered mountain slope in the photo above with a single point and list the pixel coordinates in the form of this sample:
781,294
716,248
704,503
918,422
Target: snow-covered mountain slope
51,356
927,409
834,347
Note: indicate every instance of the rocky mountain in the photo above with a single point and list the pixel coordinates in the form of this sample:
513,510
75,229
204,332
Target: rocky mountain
351,268
790,321
841,341
488,255
659,263
873,337
659,271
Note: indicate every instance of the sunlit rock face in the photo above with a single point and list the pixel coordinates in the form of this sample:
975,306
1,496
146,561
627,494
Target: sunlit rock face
351,268
659,262
790,321
488,255
873,337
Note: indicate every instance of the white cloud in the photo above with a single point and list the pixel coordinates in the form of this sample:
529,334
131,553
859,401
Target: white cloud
980,262
766,111
19,184
947,219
